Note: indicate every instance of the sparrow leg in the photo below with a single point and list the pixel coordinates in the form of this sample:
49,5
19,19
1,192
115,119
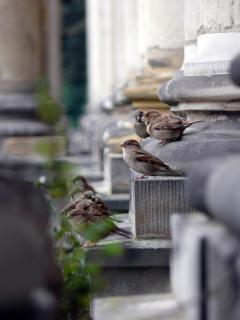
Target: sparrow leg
142,177
163,143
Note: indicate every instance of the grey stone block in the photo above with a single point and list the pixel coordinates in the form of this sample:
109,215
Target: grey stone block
116,173
143,268
153,201
205,266
134,280
143,307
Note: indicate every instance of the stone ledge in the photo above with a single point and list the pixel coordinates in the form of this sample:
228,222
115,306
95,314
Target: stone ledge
144,253
30,147
136,270
143,307
137,253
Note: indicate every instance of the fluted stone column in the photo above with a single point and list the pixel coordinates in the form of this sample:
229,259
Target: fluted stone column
21,66
191,23
160,46
205,91
125,28
112,59
54,47
100,52
20,45
161,40
126,64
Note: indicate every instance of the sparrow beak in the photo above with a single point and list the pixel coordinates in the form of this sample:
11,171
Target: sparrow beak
122,145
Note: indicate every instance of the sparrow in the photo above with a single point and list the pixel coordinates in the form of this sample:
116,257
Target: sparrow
72,205
100,204
80,185
144,162
167,127
87,215
139,125
88,197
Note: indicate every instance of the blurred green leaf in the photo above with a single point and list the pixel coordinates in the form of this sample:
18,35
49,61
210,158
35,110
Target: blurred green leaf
114,249
48,110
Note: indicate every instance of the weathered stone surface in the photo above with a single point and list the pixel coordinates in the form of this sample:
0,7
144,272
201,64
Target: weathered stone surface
140,254
153,201
136,271
22,199
26,252
196,146
19,116
116,173
204,268
133,280
20,51
143,307
214,197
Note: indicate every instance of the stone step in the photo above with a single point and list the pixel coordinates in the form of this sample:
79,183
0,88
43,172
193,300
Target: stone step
143,307
143,268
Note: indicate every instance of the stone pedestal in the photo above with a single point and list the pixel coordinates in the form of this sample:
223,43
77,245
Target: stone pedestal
142,269
153,201
204,90
204,268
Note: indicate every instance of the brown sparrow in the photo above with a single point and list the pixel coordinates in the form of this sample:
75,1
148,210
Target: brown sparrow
87,214
99,203
166,127
80,185
85,196
139,125
88,197
143,162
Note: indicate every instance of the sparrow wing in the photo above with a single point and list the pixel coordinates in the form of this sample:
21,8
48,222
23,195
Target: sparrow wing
167,126
145,157
70,207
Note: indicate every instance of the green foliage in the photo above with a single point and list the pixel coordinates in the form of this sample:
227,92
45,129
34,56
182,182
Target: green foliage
113,249
95,231
71,259
76,270
48,110
58,176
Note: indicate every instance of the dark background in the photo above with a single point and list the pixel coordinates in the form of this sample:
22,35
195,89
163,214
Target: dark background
74,58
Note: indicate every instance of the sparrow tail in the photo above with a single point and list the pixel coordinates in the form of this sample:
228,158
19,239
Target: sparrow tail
171,173
193,122
124,233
